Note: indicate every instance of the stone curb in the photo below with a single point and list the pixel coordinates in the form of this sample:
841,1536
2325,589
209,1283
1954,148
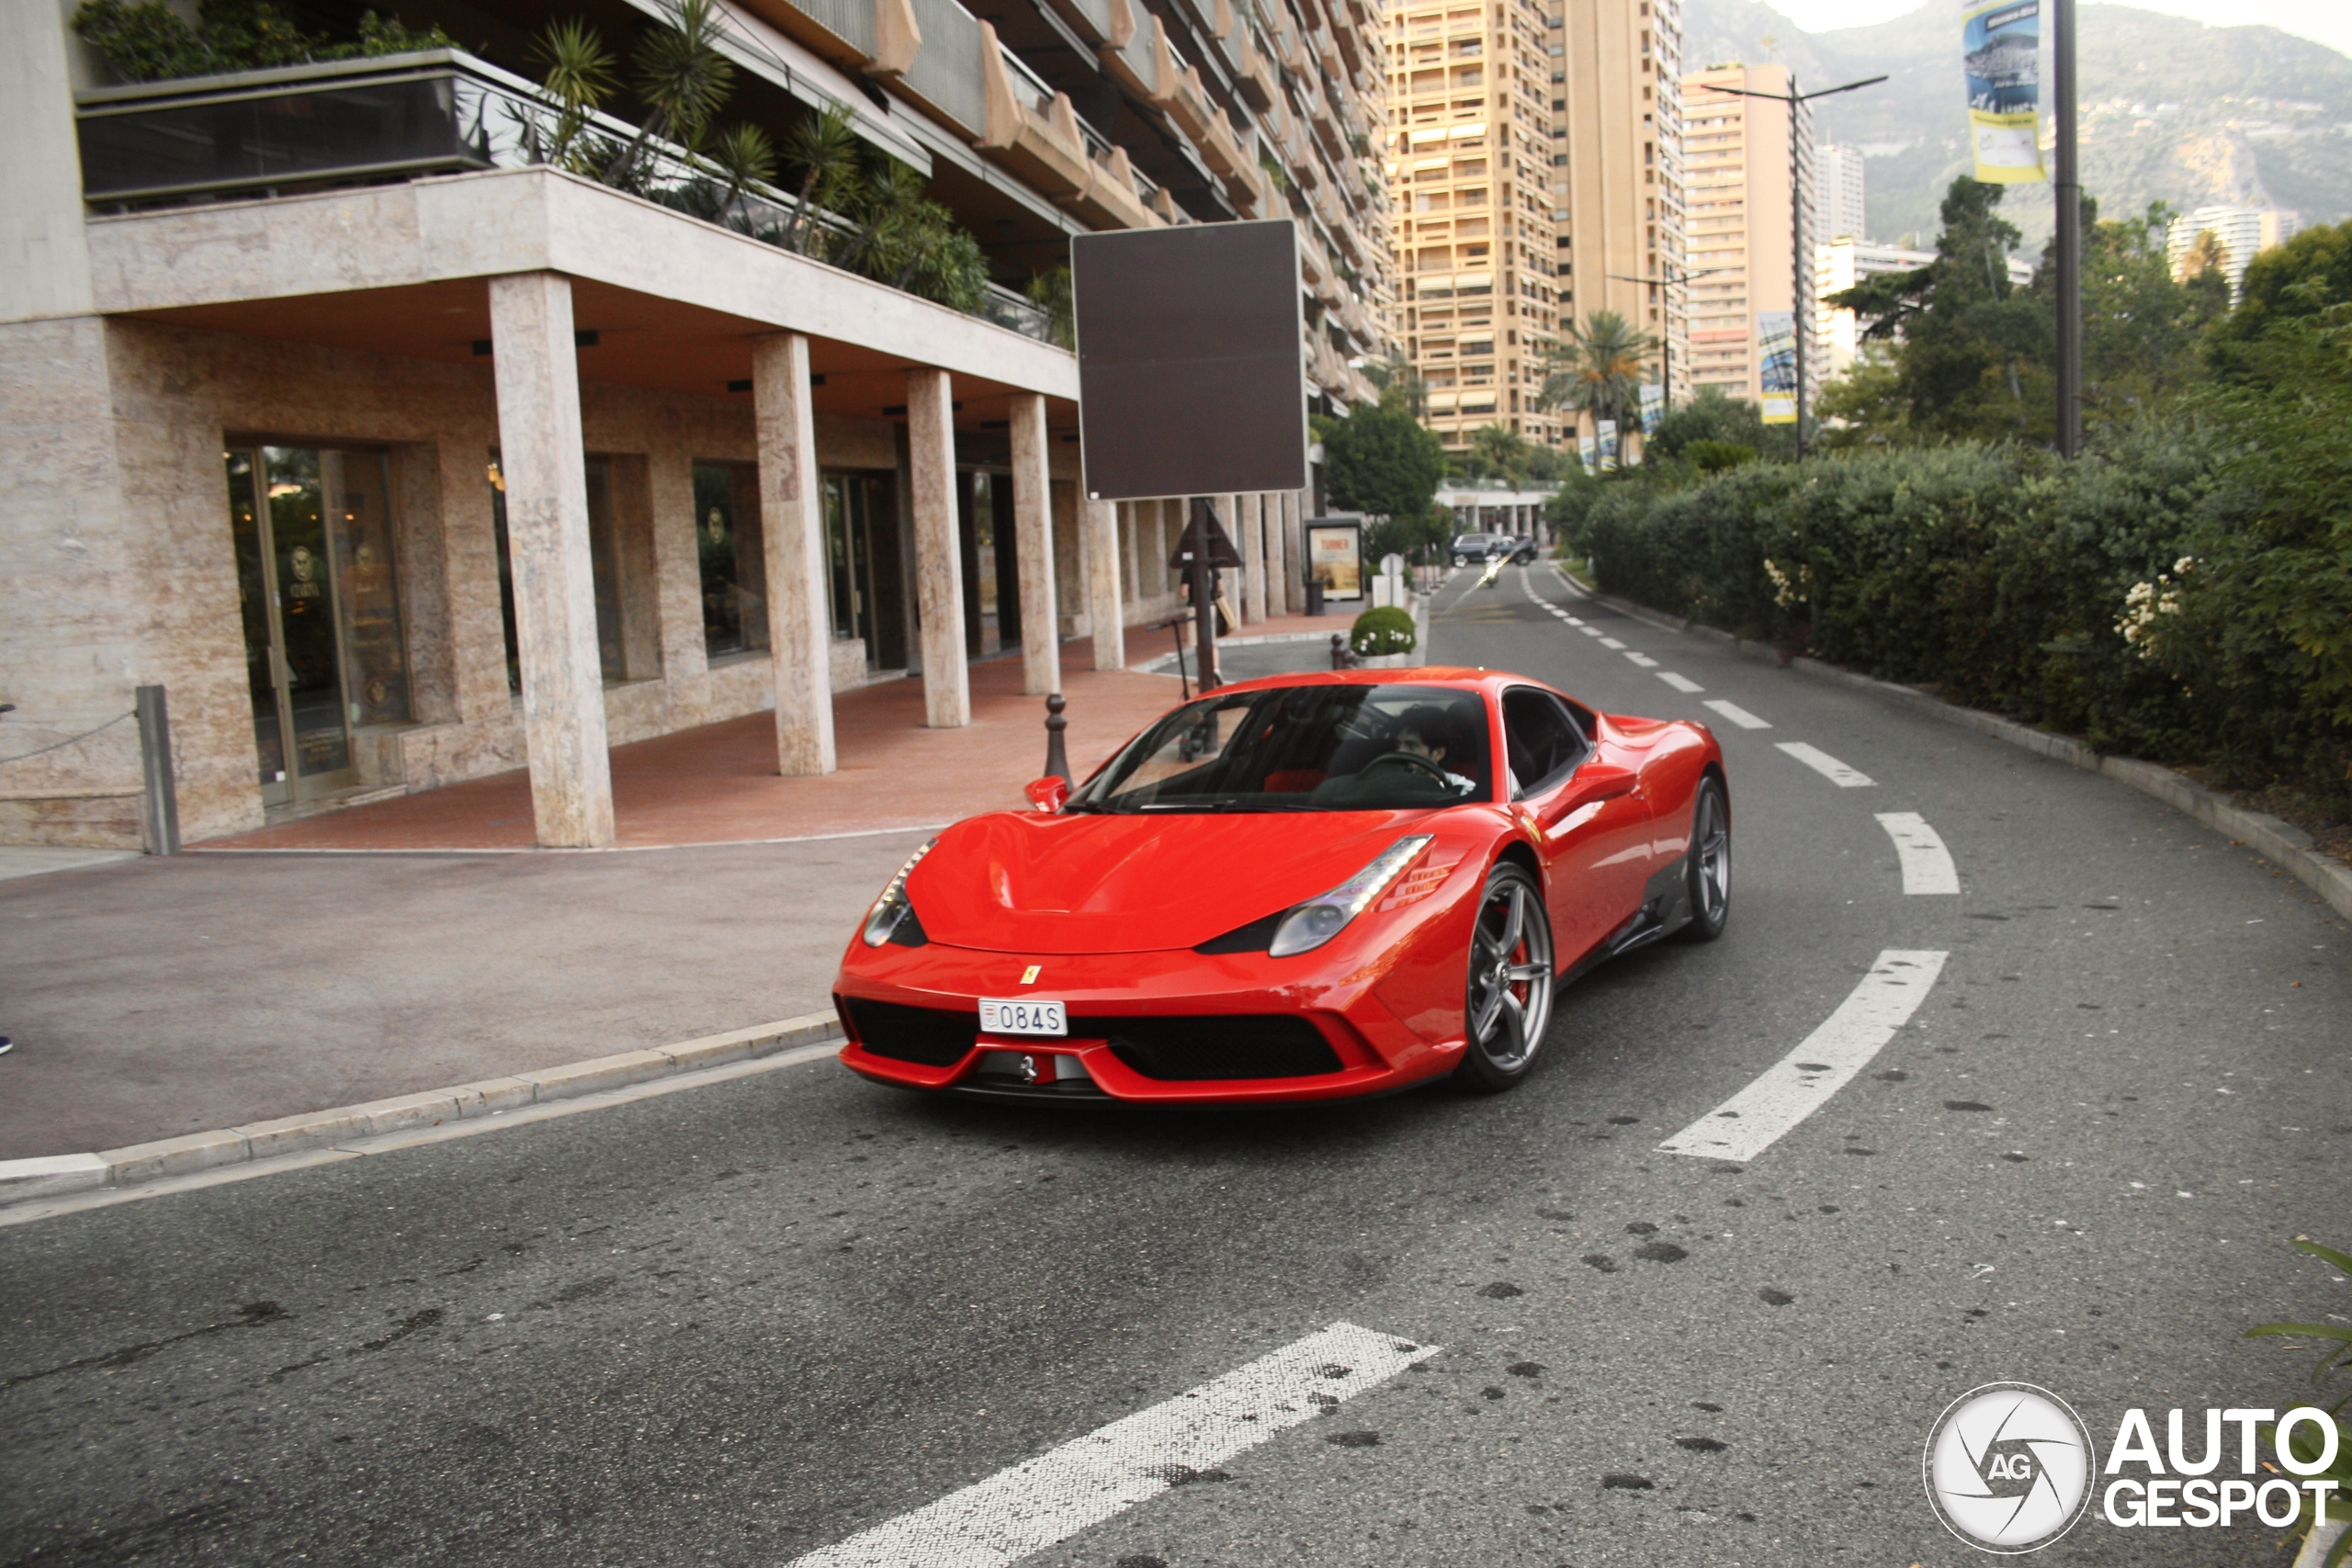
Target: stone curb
2280,842
53,1176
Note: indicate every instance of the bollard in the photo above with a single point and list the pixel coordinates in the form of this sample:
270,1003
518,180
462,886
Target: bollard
1057,760
1342,655
159,806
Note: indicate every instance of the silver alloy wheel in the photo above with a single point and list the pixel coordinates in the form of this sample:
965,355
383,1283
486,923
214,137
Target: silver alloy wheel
1711,837
1510,973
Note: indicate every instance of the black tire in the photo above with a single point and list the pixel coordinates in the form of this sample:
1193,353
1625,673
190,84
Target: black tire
1507,1000
1707,865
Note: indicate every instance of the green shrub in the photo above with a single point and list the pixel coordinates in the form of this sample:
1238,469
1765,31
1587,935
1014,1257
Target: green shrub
2334,1360
1715,457
1383,631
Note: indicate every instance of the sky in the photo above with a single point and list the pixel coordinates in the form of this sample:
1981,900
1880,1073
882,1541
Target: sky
2324,21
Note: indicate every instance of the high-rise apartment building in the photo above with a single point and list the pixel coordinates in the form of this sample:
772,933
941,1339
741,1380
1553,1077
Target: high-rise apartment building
475,395
1618,175
1468,167
1534,168
1838,185
1744,208
2242,233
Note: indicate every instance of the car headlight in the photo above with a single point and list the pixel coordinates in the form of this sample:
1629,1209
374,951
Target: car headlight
894,907
1317,920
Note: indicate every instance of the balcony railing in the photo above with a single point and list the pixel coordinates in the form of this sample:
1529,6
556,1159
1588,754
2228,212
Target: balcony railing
402,116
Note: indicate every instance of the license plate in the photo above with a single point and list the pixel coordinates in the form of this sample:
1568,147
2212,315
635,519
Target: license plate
1025,1016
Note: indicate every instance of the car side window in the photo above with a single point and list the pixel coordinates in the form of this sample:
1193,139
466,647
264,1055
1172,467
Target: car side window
1543,743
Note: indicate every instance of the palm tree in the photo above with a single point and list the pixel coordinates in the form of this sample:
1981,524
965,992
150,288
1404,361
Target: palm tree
824,148
1495,449
1599,370
682,79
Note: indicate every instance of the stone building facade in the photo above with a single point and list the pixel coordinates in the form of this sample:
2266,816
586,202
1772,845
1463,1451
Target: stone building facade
393,483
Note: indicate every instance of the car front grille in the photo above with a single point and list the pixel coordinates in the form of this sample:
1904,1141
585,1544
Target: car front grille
1185,1050
930,1037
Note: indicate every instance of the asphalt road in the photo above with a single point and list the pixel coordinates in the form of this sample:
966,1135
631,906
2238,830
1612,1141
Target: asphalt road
740,1324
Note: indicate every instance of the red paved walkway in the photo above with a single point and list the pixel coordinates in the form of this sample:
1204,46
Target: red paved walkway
718,783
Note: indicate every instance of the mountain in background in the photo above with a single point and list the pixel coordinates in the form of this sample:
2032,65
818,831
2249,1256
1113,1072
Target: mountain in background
2172,110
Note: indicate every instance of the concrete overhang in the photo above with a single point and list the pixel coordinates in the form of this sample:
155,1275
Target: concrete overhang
675,303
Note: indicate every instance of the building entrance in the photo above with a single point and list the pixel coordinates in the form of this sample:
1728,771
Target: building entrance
315,583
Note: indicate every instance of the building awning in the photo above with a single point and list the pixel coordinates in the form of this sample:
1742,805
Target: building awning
768,54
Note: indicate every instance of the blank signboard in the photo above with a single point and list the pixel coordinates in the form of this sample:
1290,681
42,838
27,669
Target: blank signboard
1189,367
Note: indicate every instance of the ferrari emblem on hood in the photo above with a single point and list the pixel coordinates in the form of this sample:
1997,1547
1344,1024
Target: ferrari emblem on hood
1029,975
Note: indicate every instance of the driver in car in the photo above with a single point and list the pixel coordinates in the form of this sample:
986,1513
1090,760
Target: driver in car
1426,731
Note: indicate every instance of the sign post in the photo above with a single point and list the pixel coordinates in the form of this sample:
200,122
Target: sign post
1191,355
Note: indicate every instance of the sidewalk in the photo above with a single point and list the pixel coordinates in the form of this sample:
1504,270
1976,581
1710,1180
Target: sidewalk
718,783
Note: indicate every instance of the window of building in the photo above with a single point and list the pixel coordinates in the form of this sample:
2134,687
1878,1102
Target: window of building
734,556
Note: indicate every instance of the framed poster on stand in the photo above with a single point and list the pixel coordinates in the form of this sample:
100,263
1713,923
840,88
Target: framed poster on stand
1335,557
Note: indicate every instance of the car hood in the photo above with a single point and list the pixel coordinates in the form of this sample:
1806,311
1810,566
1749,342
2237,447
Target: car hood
1041,882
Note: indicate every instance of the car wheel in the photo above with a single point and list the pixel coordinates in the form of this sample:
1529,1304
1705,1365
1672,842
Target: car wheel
1507,1004
1708,864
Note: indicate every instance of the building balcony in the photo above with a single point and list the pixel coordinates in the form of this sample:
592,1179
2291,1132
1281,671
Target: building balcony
286,132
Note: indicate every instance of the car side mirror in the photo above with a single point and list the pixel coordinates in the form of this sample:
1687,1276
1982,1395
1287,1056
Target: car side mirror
1596,782
1048,792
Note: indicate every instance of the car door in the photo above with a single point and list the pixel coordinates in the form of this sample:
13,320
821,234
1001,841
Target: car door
1595,833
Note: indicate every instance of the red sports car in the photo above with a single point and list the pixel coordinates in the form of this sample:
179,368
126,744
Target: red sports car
1300,887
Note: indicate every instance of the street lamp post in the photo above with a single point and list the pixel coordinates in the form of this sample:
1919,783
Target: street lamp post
2070,242
1801,328
1666,339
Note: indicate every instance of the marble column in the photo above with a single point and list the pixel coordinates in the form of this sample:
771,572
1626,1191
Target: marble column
792,528
1294,548
1250,511
1033,549
1280,568
939,561
1104,607
546,528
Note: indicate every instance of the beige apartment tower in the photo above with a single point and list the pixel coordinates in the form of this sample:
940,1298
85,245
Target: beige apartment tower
1739,197
1468,163
1617,171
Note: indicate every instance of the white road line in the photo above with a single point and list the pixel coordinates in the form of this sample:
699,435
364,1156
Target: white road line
1927,864
1828,766
1570,619
1611,642
1052,1497
1591,631
1642,660
1682,684
1802,1082
1736,714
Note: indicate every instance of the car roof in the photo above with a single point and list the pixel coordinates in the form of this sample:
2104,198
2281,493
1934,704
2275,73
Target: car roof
1463,677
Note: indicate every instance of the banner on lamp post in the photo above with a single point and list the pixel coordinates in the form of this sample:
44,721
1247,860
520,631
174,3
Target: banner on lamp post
2001,48
1586,449
1653,407
1776,362
1605,436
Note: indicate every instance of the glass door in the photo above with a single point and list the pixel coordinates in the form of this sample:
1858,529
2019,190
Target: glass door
315,586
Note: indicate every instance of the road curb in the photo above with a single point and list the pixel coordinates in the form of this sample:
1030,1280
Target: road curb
56,1176
2277,840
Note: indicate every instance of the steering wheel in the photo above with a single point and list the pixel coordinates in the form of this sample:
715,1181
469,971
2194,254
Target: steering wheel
1411,758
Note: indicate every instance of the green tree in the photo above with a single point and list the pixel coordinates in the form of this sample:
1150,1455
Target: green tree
1712,416
2302,278
1599,370
1974,354
1499,454
2141,329
1397,374
1380,460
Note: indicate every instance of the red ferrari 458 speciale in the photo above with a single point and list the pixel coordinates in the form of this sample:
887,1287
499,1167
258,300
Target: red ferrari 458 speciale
1300,887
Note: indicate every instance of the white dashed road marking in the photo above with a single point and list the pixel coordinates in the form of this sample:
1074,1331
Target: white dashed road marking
1828,766
1642,660
1682,684
1736,714
1050,1498
1802,1082
1591,631
1611,642
1927,864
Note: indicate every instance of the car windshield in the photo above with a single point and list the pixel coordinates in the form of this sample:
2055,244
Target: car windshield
1321,748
